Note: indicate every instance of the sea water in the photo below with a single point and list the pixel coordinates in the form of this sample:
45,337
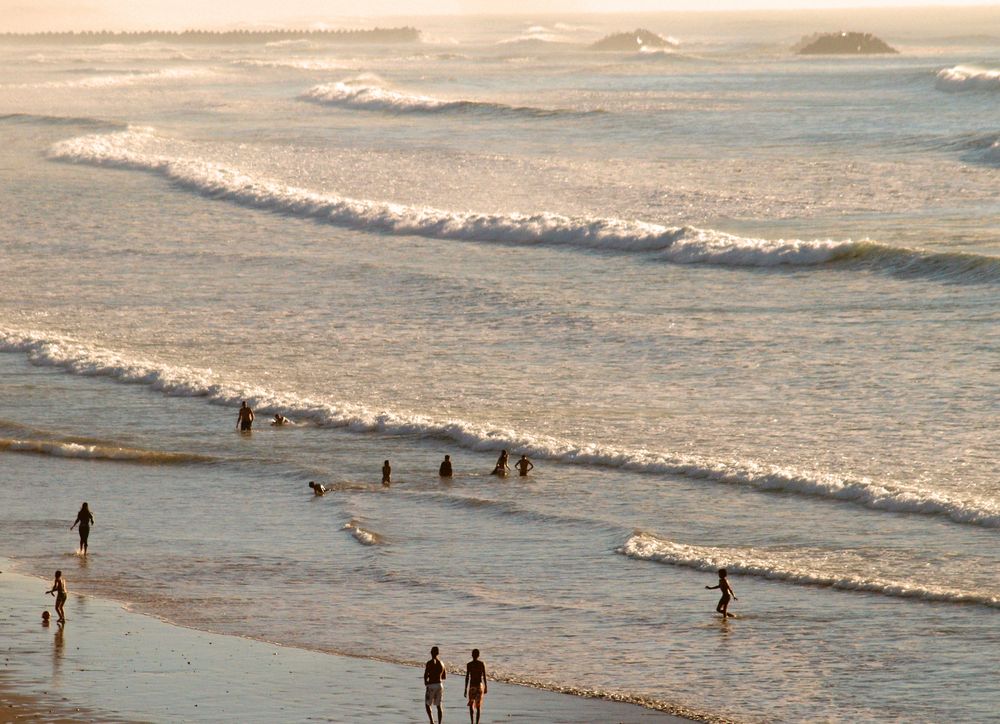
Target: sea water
740,308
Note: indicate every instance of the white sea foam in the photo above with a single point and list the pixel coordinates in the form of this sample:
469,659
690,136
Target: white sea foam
361,535
962,78
790,567
294,64
84,359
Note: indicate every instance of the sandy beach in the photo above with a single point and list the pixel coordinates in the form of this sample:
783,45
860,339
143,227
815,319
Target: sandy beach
110,664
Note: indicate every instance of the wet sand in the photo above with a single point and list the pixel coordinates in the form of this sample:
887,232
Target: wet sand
110,664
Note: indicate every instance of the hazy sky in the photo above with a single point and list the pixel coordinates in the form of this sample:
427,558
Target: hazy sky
28,15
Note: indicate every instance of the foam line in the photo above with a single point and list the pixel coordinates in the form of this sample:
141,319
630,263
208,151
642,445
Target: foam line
962,78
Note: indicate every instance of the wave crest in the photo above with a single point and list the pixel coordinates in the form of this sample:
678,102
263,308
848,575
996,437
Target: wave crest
963,78
786,567
363,536
88,451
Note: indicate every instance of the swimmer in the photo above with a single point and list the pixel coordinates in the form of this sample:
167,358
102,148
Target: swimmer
280,421
318,489
524,465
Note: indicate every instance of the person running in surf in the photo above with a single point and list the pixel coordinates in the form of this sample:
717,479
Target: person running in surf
244,420
85,520
727,592
386,474
523,466
434,676
475,685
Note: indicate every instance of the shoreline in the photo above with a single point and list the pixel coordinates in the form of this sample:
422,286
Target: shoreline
118,664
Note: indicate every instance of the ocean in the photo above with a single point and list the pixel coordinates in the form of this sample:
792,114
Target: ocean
740,307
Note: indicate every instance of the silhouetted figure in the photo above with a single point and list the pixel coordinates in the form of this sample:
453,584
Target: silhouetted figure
727,592
386,474
244,421
502,468
523,466
434,676
45,618
475,685
317,488
59,591
85,520
279,420
445,470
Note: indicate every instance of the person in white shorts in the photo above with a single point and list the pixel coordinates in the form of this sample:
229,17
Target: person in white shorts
434,676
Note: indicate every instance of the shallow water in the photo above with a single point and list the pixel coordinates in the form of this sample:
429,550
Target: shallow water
740,308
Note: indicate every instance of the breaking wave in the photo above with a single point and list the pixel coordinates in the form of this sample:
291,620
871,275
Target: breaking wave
683,245
78,358
362,536
364,94
968,78
87,451
303,64
783,566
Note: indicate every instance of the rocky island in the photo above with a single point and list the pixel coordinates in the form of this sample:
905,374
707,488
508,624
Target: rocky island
634,40
843,44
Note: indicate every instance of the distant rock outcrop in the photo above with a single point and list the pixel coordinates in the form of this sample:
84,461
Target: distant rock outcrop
635,40
843,44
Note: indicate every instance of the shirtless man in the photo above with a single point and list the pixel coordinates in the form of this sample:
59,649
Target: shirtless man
245,419
524,465
434,675
475,685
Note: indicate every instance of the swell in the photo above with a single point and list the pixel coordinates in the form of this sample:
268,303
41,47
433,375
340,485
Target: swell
682,245
77,358
116,80
373,97
45,120
787,568
85,451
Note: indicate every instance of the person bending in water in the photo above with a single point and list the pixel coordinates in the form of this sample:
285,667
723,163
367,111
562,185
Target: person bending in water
85,520
244,420
445,470
727,593
523,466
475,685
434,675
279,420
502,468
317,488
59,591
386,474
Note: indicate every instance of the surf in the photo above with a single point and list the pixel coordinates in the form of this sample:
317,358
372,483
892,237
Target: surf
964,78
880,495
788,568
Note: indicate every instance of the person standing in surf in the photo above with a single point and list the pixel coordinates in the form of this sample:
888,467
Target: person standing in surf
59,591
502,468
523,466
475,685
84,519
244,420
445,470
727,593
434,676
386,474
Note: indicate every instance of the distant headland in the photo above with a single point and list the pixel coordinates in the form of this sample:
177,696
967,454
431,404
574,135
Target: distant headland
843,44
374,35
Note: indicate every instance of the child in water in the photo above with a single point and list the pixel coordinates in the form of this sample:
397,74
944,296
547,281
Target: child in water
59,591
386,474
727,592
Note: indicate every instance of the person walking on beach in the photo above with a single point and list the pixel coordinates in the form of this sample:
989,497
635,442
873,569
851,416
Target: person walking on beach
434,676
727,592
386,474
85,520
59,591
523,466
502,468
475,685
445,470
244,421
